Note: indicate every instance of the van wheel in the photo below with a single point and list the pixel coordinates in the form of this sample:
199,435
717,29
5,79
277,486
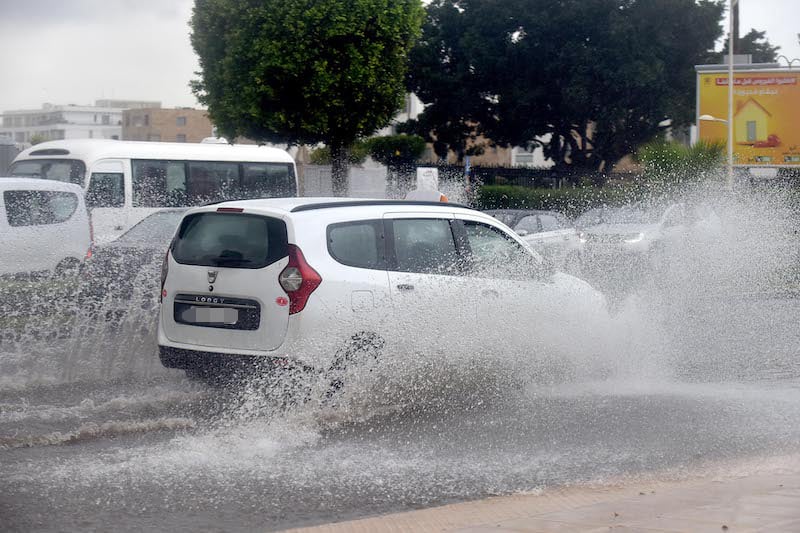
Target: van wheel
359,350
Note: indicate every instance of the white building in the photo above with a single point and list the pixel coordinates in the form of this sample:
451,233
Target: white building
54,122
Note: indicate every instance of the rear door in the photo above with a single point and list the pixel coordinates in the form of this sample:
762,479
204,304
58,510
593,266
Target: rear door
431,299
222,286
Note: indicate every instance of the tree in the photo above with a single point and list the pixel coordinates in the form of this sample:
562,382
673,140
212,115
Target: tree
398,153
302,71
754,43
589,80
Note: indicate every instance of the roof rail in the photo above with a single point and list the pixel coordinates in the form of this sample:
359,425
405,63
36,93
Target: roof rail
357,203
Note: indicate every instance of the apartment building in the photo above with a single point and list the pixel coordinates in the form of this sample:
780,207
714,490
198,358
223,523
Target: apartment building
103,120
169,125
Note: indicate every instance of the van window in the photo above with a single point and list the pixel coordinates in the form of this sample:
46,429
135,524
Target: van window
65,170
106,190
357,244
159,183
230,240
34,208
212,182
268,180
425,246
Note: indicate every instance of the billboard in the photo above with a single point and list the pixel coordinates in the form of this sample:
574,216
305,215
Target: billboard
766,114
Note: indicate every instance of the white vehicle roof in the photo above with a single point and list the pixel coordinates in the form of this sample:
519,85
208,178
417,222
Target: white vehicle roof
36,184
295,205
94,149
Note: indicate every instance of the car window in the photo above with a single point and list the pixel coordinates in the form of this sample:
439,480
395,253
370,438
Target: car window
505,218
528,223
357,244
34,208
230,240
424,246
550,223
495,254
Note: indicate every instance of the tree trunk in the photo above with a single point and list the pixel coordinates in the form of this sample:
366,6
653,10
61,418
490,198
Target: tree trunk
339,181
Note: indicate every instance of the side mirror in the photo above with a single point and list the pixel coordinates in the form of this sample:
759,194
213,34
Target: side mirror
521,232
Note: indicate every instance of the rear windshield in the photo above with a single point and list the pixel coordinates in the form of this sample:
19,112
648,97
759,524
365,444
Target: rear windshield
230,240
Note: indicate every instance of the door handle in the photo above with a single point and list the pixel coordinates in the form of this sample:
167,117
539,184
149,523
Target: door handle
119,228
491,293
405,287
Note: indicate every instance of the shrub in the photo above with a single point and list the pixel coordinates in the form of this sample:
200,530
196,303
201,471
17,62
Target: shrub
571,201
673,164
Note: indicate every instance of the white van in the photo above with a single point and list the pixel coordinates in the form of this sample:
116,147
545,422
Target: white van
127,181
44,226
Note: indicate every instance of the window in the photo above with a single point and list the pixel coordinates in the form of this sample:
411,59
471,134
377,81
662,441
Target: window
155,137
357,244
494,254
212,182
159,184
528,224
180,121
424,246
181,138
230,240
268,180
106,120
34,208
550,223
66,170
106,190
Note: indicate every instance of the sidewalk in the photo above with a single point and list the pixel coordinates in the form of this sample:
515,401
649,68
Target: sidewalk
761,502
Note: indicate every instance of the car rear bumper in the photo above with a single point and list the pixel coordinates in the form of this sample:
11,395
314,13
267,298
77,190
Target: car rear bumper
218,363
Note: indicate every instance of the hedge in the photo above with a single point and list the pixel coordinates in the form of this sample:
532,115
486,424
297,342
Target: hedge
571,201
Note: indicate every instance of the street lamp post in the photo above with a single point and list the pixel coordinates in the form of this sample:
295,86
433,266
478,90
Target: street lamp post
730,92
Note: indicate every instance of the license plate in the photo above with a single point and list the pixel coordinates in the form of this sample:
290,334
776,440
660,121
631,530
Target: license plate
211,315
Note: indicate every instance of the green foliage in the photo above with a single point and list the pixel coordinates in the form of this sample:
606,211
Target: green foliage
396,150
356,154
37,138
597,76
571,201
674,163
303,71
754,43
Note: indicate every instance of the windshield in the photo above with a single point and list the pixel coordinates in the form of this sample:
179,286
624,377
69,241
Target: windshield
66,170
155,230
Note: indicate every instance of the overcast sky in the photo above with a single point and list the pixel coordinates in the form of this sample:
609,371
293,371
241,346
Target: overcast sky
76,51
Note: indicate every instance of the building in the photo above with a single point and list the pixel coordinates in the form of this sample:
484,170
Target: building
174,125
54,122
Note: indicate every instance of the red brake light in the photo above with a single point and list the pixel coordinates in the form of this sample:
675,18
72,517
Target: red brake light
298,279
91,238
230,209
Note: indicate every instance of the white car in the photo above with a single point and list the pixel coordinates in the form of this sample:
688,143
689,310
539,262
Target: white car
548,232
44,226
306,281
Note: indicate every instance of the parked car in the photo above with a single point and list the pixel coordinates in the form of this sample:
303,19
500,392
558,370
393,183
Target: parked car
44,227
549,232
308,282
641,232
129,264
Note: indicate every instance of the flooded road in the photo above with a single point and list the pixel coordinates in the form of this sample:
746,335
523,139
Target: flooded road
136,447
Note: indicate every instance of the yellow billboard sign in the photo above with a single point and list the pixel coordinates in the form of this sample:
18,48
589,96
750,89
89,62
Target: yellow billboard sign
766,115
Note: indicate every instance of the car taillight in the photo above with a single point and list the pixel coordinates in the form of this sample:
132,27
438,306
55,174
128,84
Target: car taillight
164,272
298,279
91,238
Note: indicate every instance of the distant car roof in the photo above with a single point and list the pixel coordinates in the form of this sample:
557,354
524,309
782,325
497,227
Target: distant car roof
37,184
